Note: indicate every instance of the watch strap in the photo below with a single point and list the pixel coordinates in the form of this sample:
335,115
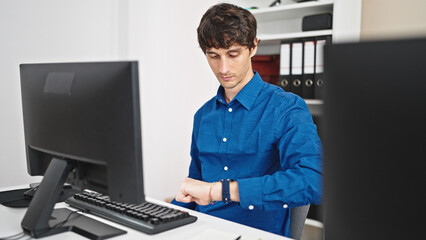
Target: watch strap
226,196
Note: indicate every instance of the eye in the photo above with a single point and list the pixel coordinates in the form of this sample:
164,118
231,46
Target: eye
212,55
233,54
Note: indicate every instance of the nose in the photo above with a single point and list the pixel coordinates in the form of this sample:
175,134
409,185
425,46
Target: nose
223,66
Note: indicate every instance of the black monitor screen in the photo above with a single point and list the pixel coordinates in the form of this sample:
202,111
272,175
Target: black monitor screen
82,125
87,113
374,134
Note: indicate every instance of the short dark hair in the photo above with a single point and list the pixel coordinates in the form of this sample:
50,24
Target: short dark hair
224,25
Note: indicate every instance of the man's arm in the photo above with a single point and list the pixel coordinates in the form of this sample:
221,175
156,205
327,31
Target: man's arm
299,182
203,193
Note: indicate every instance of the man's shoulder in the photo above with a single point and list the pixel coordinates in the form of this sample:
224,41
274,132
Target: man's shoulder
281,97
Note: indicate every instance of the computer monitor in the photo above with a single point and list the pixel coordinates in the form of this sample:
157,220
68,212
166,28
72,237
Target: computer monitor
374,135
82,126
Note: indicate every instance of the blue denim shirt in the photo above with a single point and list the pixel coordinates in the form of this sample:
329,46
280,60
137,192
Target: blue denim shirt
266,140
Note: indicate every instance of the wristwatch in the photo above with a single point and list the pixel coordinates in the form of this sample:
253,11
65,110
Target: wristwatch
226,197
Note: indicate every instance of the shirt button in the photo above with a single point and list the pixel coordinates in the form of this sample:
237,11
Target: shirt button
225,168
224,139
251,207
229,109
285,206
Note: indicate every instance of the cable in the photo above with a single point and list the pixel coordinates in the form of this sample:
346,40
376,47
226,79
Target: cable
13,237
60,224
27,238
13,200
22,234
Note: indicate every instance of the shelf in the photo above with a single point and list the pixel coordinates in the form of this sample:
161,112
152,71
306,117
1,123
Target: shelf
292,10
314,223
276,38
313,101
314,106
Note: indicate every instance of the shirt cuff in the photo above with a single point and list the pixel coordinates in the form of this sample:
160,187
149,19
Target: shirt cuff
250,193
190,205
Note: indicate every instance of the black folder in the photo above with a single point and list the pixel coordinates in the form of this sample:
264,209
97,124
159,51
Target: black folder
319,65
285,66
308,69
297,67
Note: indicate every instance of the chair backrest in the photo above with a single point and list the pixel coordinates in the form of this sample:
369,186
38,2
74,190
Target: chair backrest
297,221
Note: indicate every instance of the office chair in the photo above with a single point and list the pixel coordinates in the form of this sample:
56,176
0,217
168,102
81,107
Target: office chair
297,220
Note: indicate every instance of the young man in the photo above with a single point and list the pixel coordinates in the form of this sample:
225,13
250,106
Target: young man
255,150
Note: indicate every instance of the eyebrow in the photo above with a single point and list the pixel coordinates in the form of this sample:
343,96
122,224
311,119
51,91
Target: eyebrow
236,49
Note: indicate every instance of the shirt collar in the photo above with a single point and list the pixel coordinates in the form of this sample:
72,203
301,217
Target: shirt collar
247,95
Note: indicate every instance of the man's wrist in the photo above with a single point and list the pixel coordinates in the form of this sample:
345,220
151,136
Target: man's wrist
210,193
216,192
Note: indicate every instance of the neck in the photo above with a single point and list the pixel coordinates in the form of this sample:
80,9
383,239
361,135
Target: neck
230,93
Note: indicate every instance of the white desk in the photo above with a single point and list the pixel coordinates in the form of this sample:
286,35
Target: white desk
10,224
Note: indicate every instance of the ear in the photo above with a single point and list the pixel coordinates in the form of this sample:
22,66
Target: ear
254,49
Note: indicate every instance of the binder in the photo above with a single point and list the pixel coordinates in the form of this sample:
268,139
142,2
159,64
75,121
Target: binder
268,67
297,68
308,69
319,68
285,66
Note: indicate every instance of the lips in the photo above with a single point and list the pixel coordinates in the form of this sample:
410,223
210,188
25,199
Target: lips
226,78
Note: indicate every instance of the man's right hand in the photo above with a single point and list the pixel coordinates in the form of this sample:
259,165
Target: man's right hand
192,190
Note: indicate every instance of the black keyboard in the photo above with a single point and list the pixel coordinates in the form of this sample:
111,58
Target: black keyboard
147,217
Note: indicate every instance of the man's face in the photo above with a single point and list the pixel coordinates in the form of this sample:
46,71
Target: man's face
231,66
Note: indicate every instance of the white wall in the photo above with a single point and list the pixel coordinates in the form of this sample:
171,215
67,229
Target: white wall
175,81
175,78
46,31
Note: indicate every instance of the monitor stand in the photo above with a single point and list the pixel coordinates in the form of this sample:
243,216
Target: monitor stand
41,220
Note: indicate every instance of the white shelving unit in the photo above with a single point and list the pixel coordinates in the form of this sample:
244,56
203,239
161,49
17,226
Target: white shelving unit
276,38
292,10
284,22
